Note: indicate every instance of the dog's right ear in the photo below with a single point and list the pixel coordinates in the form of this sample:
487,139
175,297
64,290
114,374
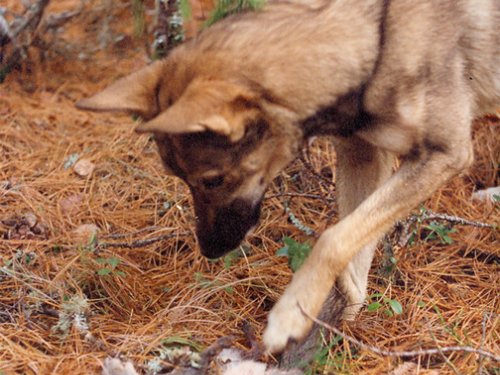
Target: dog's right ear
134,94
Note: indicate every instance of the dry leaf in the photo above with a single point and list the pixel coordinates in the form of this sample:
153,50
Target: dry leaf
405,368
85,232
84,167
30,219
114,366
71,204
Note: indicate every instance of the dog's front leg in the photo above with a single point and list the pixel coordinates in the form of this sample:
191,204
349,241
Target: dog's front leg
419,176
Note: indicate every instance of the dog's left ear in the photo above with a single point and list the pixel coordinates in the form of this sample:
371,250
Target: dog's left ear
134,94
214,105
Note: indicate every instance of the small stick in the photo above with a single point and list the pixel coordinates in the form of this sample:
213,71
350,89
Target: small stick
446,359
403,353
141,243
137,232
300,195
430,215
486,317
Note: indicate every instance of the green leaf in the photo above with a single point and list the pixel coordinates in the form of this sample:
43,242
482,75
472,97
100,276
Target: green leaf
103,271
389,313
395,306
101,260
114,261
283,252
296,252
374,306
230,258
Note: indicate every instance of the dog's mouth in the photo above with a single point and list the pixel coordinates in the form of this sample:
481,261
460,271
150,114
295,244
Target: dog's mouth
227,228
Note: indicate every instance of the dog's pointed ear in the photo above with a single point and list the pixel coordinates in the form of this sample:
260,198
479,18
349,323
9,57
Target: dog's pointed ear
135,93
205,105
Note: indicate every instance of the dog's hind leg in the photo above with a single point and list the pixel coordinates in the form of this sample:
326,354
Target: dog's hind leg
361,169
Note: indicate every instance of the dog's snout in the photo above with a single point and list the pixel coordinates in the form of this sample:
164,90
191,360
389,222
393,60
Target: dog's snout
221,229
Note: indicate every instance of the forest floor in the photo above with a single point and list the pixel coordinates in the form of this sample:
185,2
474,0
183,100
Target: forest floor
69,299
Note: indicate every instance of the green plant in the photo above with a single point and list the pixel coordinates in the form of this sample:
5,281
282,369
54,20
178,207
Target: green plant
439,231
225,8
138,12
20,258
231,257
451,330
296,252
109,266
390,306
328,360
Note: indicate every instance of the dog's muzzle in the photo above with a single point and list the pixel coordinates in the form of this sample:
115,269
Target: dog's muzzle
228,227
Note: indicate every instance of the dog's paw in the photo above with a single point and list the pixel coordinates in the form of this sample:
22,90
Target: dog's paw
286,322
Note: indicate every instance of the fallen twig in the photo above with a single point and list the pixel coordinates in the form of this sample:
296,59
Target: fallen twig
35,13
402,353
486,317
59,19
426,215
446,359
300,195
132,234
141,243
430,215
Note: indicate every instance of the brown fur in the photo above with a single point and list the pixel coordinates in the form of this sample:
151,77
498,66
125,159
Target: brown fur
231,108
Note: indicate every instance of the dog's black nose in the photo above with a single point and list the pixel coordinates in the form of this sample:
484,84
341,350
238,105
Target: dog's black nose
228,228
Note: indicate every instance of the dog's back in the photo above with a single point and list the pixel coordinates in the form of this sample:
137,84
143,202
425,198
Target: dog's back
481,47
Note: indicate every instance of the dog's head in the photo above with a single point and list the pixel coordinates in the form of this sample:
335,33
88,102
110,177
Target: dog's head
213,133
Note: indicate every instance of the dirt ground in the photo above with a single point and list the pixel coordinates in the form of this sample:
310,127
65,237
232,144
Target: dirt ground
69,299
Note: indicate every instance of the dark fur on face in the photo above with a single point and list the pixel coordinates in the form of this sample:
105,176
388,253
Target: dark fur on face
222,218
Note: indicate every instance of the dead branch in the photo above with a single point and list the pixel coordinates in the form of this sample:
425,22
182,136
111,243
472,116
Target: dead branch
402,353
33,18
168,31
11,34
141,243
132,234
430,215
427,215
300,195
54,21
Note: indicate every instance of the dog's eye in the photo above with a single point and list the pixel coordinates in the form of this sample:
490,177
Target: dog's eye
212,182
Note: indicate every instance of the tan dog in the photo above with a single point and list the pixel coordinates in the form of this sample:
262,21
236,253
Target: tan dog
233,107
